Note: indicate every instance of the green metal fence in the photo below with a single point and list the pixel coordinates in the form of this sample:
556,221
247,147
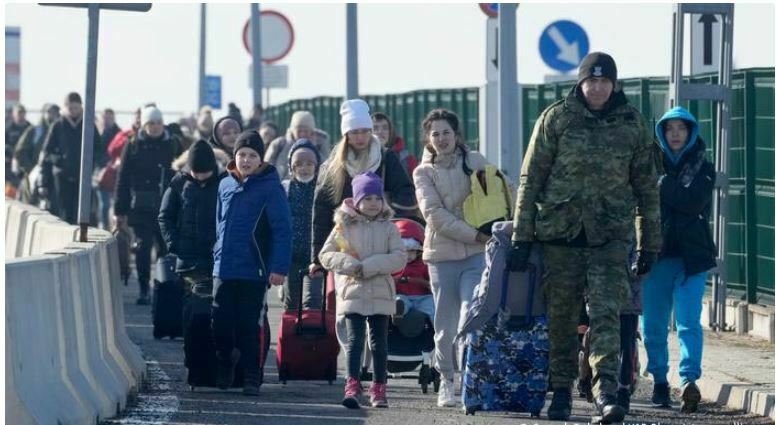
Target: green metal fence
750,232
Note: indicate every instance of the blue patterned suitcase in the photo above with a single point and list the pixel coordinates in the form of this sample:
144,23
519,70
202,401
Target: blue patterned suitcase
507,360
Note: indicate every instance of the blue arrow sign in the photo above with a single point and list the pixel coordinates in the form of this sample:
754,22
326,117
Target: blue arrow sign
562,45
213,91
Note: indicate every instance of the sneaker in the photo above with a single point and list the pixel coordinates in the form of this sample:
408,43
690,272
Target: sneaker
623,399
661,395
225,372
252,383
608,409
560,407
446,397
377,395
691,396
352,393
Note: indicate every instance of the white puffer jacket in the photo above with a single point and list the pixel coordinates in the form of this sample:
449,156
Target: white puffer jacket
441,188
377,246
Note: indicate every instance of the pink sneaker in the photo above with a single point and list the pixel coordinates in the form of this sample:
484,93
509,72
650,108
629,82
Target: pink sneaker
377,395
352,393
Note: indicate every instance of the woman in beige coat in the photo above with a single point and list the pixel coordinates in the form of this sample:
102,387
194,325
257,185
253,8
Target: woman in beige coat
363,250
453,249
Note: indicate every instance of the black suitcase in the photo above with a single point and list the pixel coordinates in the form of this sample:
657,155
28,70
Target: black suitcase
198,346
167,302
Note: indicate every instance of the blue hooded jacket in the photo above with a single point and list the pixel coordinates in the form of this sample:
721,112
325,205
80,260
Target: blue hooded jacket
673,114
253,226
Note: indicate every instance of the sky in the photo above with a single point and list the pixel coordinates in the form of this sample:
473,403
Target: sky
154,56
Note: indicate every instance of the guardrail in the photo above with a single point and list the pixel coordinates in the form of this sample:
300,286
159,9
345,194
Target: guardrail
68,358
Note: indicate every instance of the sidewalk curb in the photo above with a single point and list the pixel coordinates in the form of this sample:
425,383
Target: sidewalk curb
752,398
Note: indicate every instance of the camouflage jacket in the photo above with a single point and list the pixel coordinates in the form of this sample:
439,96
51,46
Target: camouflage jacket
583,170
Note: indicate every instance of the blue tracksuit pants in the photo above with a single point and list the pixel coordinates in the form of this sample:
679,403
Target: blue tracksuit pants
665,288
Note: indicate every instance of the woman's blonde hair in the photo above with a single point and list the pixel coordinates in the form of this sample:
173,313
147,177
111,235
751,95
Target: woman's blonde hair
335,174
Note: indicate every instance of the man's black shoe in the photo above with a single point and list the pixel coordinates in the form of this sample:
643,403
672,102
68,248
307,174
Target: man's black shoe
560,408
608,409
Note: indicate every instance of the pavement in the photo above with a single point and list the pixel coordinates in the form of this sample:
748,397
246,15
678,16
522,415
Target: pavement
733,365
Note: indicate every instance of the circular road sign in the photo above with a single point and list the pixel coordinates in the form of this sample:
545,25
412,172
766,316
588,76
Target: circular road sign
277,36
490,9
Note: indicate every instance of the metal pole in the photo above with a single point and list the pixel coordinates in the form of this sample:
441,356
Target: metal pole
351,91
256,53
202,49
87,134
722,149
510,150
677,57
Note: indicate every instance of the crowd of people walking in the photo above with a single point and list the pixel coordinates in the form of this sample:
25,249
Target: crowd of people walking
242,207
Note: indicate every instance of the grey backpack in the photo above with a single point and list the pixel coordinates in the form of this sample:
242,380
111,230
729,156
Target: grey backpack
524,289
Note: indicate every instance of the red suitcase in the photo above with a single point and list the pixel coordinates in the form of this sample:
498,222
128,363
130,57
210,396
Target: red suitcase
307,345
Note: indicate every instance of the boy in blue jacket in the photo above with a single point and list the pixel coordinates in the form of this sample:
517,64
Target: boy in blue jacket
252,250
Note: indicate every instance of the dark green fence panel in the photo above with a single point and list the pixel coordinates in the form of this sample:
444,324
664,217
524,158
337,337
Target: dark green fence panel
750,231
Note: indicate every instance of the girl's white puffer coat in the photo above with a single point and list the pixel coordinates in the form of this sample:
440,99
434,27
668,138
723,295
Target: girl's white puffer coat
376,245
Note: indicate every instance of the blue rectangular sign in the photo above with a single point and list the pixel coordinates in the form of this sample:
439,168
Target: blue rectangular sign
213,91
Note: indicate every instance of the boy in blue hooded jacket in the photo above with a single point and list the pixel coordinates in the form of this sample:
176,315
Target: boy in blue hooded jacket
252,250
678,279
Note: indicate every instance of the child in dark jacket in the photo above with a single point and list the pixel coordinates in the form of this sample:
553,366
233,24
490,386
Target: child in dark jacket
252,250
187,217
678,280
303,163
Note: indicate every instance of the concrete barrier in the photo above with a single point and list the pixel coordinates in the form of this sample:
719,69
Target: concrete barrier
18,218
119,340
35,341
68,357
48,235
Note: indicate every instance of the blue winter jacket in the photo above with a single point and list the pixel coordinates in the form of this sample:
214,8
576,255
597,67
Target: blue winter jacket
253,226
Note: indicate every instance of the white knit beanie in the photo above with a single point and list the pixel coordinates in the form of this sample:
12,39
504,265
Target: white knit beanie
302,119
355,115
150,113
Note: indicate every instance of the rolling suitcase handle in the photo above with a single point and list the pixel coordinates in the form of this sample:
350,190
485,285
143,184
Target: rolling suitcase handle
300,330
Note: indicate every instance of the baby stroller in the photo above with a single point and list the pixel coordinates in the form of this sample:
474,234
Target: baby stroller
411,337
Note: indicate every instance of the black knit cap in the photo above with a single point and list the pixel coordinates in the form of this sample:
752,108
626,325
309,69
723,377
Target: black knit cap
597,64
201,157
250,139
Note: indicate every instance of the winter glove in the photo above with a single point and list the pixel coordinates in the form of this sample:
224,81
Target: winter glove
518,256
644,262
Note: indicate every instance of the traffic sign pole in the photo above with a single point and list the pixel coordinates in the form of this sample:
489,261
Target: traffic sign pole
87,132
256,53
352,51
202,47
511,149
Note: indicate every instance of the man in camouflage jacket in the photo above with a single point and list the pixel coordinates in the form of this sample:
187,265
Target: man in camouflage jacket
588,173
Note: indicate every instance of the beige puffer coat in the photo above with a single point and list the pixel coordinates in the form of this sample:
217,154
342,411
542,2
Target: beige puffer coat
374,244
441,188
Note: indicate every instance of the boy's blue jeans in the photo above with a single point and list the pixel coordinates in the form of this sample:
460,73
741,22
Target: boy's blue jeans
665,288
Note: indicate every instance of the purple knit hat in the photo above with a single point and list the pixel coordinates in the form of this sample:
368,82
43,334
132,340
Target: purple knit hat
366,184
